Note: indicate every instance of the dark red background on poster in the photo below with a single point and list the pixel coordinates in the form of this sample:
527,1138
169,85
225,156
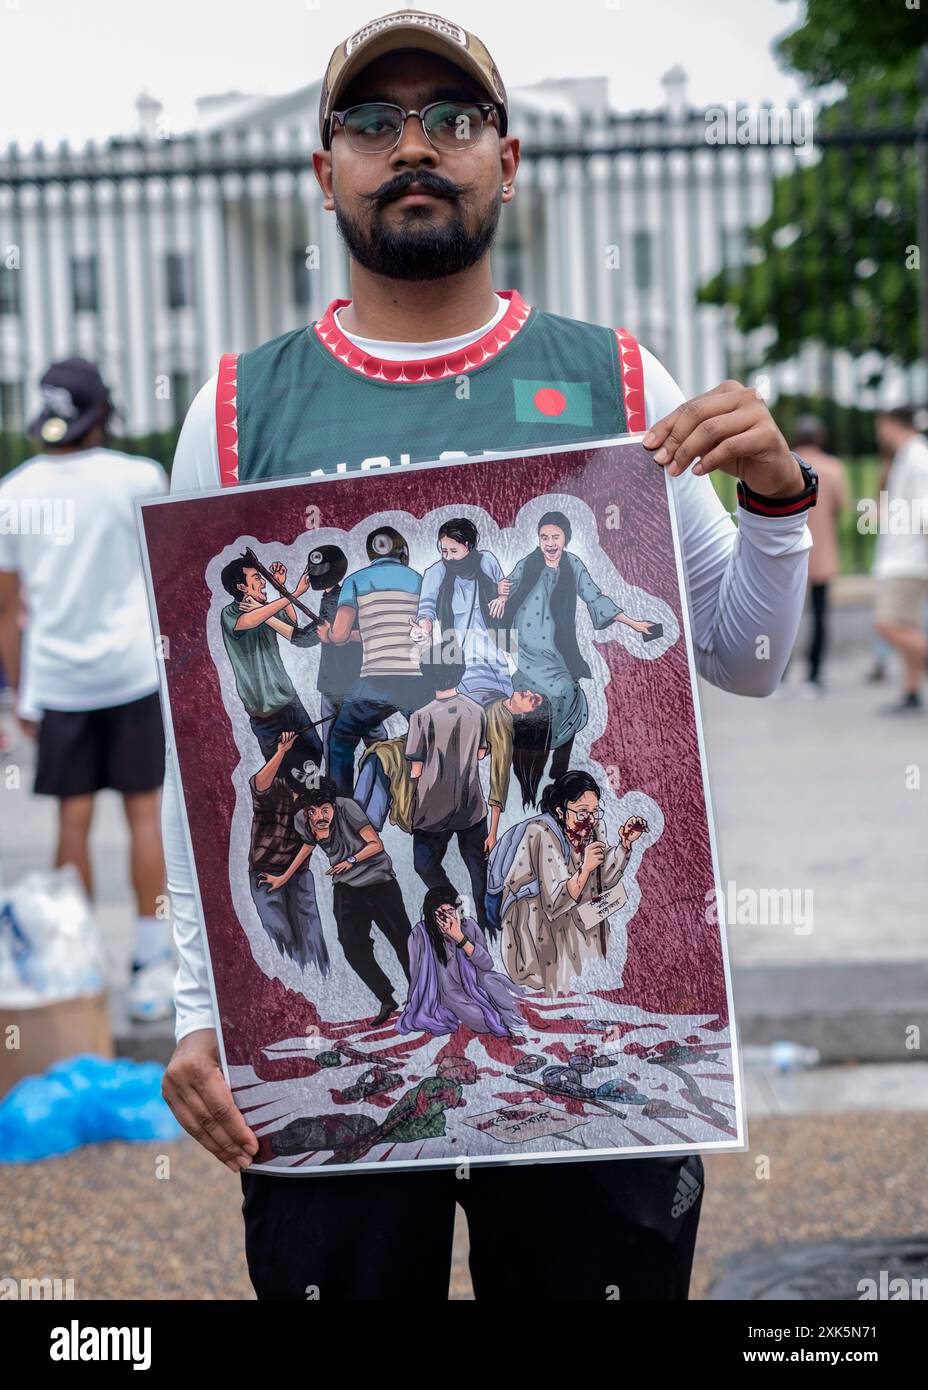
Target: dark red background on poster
674,954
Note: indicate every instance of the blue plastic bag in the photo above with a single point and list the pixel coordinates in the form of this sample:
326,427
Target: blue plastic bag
83,1100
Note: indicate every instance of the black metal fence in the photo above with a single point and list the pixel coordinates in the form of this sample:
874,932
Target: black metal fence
778,247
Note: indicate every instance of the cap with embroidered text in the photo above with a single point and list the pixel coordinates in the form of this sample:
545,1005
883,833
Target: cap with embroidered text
408,29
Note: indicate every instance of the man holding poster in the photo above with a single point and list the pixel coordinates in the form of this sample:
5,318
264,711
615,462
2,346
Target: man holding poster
416,160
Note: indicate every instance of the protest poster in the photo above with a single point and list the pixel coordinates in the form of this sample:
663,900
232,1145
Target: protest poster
444,789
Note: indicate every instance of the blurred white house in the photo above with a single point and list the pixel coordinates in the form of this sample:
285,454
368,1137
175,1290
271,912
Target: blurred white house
156,253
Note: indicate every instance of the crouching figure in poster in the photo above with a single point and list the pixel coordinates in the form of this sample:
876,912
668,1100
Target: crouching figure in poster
555,883
452,980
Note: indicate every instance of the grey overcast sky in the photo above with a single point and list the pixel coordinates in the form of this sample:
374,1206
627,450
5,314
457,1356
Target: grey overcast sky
73,68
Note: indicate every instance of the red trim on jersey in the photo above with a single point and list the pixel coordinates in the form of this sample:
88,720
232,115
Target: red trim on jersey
632,376
227,420
428,368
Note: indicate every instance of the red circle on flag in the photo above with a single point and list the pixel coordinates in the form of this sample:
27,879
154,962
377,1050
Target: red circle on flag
550,401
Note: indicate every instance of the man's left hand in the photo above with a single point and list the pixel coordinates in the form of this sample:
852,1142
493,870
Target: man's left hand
729,428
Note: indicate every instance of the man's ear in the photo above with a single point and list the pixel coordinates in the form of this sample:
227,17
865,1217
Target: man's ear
509,156
322,168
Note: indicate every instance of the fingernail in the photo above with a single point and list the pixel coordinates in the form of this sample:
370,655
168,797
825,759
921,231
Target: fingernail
648,440
662,455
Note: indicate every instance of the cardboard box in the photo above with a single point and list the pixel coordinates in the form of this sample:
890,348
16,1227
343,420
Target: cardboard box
49,1032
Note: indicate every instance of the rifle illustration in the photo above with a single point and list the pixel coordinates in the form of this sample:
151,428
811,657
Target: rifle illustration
584,1096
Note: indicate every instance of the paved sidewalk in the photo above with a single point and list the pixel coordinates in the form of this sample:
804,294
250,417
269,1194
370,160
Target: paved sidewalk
811,797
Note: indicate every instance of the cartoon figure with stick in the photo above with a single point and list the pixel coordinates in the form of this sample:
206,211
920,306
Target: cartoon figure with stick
251,627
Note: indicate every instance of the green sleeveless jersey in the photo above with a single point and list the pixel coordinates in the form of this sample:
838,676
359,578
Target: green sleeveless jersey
310,403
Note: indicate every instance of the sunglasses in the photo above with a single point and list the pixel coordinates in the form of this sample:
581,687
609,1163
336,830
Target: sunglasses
375,127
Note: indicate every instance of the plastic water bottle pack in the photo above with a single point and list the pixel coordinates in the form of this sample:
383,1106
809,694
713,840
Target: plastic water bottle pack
50,945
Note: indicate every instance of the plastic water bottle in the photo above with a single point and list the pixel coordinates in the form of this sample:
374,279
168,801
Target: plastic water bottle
782,1056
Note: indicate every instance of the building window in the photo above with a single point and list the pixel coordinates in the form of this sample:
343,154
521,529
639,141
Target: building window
11,405
9,291
300,274
179,275
85,288
642,245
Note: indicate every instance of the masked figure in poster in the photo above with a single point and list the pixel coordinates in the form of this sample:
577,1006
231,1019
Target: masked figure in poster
457,594
380,600
452,980
539,602
251,629
366,893
286,903
552,881
339,665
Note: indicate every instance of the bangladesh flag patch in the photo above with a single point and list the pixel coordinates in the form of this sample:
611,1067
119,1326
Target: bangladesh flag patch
557,402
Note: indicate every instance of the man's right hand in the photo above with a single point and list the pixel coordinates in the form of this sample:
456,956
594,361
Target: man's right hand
196,1091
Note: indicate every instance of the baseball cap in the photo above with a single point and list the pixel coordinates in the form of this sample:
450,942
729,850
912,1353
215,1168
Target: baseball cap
75,398
409,29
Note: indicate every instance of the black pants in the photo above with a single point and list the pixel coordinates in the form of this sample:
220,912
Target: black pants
356,910
596,1230
268,728
818,598
428,852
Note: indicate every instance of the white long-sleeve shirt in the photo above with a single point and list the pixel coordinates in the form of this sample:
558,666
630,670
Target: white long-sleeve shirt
744,583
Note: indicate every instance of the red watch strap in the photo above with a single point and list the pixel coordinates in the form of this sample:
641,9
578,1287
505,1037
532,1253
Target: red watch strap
776,506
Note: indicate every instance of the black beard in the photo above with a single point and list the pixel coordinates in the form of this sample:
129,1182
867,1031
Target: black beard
426,253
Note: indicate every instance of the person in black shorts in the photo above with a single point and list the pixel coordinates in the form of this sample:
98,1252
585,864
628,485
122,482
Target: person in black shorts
76,644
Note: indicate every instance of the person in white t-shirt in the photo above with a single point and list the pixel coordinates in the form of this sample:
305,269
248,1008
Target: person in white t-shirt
901,563
82,659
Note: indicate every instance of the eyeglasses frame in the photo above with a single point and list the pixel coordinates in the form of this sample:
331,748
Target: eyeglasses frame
486,109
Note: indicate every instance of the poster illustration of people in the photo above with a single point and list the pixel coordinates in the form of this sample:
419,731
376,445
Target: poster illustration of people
445,795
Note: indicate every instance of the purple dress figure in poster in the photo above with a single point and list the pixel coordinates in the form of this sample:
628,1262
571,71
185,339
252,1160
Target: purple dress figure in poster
452,980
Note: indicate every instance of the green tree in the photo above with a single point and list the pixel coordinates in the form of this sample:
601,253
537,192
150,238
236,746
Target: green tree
829,264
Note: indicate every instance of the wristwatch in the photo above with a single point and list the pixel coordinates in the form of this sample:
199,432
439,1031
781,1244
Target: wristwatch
753,501
352,859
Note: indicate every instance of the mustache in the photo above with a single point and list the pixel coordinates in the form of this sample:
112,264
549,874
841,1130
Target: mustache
424,179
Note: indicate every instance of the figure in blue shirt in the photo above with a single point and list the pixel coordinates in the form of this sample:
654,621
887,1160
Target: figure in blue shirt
380,600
